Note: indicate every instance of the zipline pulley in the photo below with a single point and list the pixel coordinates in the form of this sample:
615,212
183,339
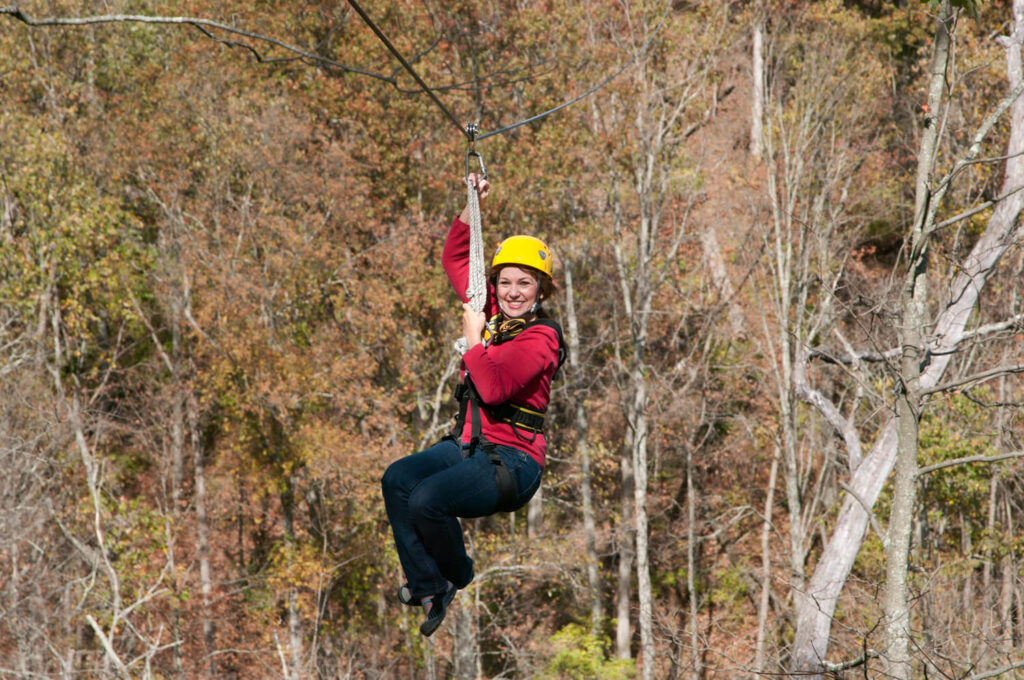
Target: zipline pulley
472,129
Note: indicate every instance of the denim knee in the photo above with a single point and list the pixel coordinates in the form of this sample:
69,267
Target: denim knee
389,481
423,506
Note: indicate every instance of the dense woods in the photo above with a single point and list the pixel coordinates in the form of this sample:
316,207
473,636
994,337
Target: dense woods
789,438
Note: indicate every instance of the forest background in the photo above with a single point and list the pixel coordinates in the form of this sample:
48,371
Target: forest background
788,438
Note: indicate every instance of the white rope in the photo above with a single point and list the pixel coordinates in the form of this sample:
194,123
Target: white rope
476,291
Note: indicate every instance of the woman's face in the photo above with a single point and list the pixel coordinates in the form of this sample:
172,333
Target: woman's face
517,291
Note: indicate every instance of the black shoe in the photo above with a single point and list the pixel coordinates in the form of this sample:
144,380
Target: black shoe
405,596
438,608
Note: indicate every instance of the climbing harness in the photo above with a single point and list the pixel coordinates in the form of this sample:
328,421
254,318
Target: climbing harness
521,418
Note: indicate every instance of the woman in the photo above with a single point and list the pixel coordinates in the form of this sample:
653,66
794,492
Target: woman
493,459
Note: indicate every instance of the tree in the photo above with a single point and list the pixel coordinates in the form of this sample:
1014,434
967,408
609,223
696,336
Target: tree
819,153
931,351
652,184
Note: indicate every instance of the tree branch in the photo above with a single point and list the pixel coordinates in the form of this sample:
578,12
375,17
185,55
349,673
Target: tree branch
882,534
853,663
977,209
977,377
996,672
849,358
108,647
204,26
972,153
968,459
829,411
709,114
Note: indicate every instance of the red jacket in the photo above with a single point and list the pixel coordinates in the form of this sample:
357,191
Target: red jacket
519,370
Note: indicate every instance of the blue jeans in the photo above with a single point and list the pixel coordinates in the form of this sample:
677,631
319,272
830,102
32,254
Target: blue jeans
427,492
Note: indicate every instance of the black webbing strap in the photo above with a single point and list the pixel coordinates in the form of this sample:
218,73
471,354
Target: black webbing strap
508,490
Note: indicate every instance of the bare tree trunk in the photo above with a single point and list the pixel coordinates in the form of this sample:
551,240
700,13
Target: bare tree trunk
177,410
897,609
293,665
583,452
626,531
636,411
642,557
623,637
909,399
295,642
990,527
766,569
967,603
535,513
691,566
1006,593
466,650
202,536
757,83
177,469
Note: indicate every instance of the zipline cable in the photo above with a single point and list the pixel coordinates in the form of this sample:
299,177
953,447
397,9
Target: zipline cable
387,43
466,131
592,90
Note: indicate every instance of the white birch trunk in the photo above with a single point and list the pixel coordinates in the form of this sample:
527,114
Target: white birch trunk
583,452
1007,590
642,557
623,593
202,537
757,84
691,565
766,568
466,650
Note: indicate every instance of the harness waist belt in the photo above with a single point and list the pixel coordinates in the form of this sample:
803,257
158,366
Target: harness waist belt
513,414
520,416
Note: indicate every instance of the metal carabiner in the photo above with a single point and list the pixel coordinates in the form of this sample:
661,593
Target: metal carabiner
479,159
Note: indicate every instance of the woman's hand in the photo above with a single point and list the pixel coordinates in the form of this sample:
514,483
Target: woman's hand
483,188
472,325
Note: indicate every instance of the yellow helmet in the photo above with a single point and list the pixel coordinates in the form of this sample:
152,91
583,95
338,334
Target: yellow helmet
524,251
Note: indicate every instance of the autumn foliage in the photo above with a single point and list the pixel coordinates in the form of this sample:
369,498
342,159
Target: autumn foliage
222,314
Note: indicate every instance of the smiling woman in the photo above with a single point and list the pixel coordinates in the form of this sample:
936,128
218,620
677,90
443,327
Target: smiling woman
493,459
517,292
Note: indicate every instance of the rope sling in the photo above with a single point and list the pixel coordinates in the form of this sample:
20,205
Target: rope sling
476,289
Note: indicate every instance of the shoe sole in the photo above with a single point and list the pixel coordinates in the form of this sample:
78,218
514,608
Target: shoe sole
428,627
